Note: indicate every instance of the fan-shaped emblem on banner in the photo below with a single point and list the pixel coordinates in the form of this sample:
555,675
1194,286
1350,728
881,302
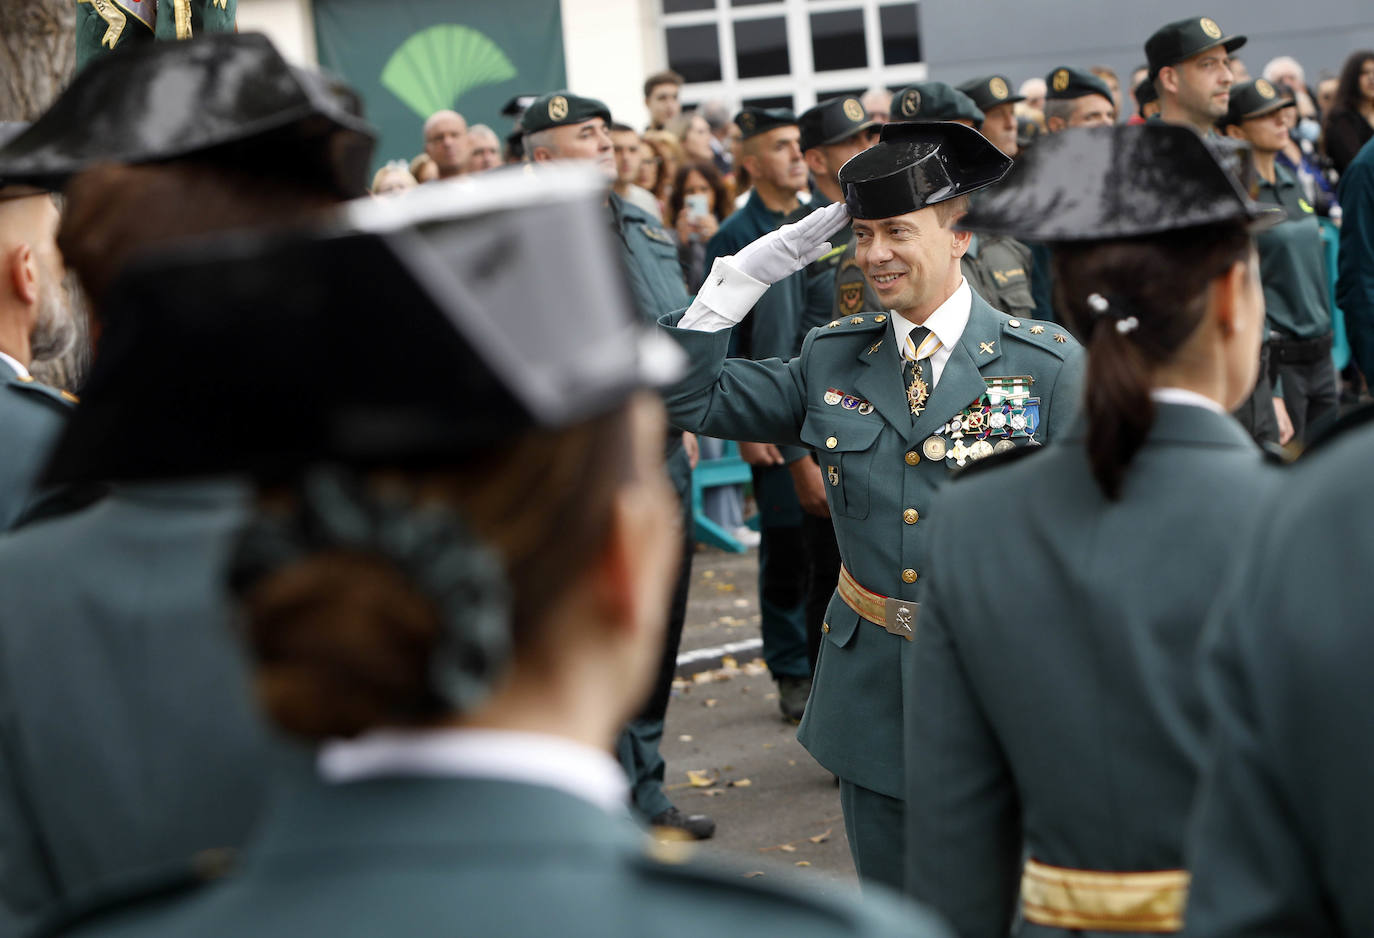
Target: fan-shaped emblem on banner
435,67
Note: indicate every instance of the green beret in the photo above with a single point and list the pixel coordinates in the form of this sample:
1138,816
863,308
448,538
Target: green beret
753,121
1066,82
990,91
934,101
560,108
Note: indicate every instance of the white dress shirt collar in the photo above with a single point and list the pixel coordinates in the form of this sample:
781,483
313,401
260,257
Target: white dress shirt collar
19,369
947,322
532,758
1187,398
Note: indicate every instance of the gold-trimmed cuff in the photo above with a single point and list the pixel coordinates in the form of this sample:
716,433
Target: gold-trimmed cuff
1097,901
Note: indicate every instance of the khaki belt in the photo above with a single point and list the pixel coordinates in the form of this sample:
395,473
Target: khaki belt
896,615
1096,901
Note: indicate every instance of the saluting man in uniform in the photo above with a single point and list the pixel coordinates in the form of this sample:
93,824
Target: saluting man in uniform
892,403
565,126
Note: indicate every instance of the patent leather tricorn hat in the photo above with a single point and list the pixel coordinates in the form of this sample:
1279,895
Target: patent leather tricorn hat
1104,183
224,97
416,330
916,164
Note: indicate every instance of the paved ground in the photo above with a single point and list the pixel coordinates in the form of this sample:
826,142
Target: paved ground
729,752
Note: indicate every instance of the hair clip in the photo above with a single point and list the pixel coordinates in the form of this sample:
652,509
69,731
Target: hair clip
1098,303
1129,324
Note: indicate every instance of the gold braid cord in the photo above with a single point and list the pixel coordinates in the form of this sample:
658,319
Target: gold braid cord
114,18
182,11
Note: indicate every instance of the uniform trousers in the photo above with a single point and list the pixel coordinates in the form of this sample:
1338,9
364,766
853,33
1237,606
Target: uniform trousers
876,827
1256,414
1311,394
782,573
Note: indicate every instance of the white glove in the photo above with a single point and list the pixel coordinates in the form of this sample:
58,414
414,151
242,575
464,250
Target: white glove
790,248
736,283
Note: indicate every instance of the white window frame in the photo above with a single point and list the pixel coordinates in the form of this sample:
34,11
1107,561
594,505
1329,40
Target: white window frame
803,82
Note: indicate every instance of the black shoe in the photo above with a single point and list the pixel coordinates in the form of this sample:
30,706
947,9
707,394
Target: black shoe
696,826
792,694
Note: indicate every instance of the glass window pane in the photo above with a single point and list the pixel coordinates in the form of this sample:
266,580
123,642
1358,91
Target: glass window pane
837,40
694,52
901,35
685,6
749,3
778,101
761,47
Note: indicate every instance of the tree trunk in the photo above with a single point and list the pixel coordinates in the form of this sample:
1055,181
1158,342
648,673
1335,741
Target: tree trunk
37,54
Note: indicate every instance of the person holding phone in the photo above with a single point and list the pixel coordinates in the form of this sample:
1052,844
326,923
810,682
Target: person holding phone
696,208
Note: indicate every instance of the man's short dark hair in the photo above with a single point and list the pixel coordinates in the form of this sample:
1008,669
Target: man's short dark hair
619,128
666,77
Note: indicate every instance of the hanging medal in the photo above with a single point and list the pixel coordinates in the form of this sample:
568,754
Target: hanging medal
918,392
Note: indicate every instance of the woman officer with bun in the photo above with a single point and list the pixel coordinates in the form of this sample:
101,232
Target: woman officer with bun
452,593
1054,725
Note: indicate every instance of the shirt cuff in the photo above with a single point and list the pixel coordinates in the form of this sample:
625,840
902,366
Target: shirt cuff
724,299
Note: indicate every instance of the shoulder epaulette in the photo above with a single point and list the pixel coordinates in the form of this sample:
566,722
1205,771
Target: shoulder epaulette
847,324
1049,336
28,385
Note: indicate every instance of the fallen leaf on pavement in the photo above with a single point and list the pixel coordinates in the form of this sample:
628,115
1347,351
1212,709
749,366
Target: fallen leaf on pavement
741,603
729,663
821,838
726,587
685,738
711,701
701,778
740,783
803,863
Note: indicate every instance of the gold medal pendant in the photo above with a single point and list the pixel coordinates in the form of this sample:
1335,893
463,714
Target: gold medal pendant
917,392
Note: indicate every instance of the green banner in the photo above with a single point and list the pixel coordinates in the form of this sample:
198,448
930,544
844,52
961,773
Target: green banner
410,58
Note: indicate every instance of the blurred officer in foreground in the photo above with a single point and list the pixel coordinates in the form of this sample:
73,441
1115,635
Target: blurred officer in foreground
1297,303
1060,722
107,777
1281,843
1355,283
565,126
884,401
771,152
35,325
1188,66
998,269
456,674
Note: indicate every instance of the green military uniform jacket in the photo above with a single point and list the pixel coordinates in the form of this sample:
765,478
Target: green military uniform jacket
128,740
1055,709
1282,836
655,279
31,416
482,857
998,269
882,483
1293,263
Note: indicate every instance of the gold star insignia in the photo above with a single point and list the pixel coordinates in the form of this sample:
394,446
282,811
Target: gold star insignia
1060,337
1036,330
986,347
856,320
833,324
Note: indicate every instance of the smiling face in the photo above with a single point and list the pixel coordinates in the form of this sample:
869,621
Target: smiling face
911,260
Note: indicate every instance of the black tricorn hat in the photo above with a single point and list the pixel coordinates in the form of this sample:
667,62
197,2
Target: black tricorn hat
224,96
416,331
915,164
1104,183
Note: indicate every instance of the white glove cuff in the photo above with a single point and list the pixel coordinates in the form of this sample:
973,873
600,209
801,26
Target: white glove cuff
723,300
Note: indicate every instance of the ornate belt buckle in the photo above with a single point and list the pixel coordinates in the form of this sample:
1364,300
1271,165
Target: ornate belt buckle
899,617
